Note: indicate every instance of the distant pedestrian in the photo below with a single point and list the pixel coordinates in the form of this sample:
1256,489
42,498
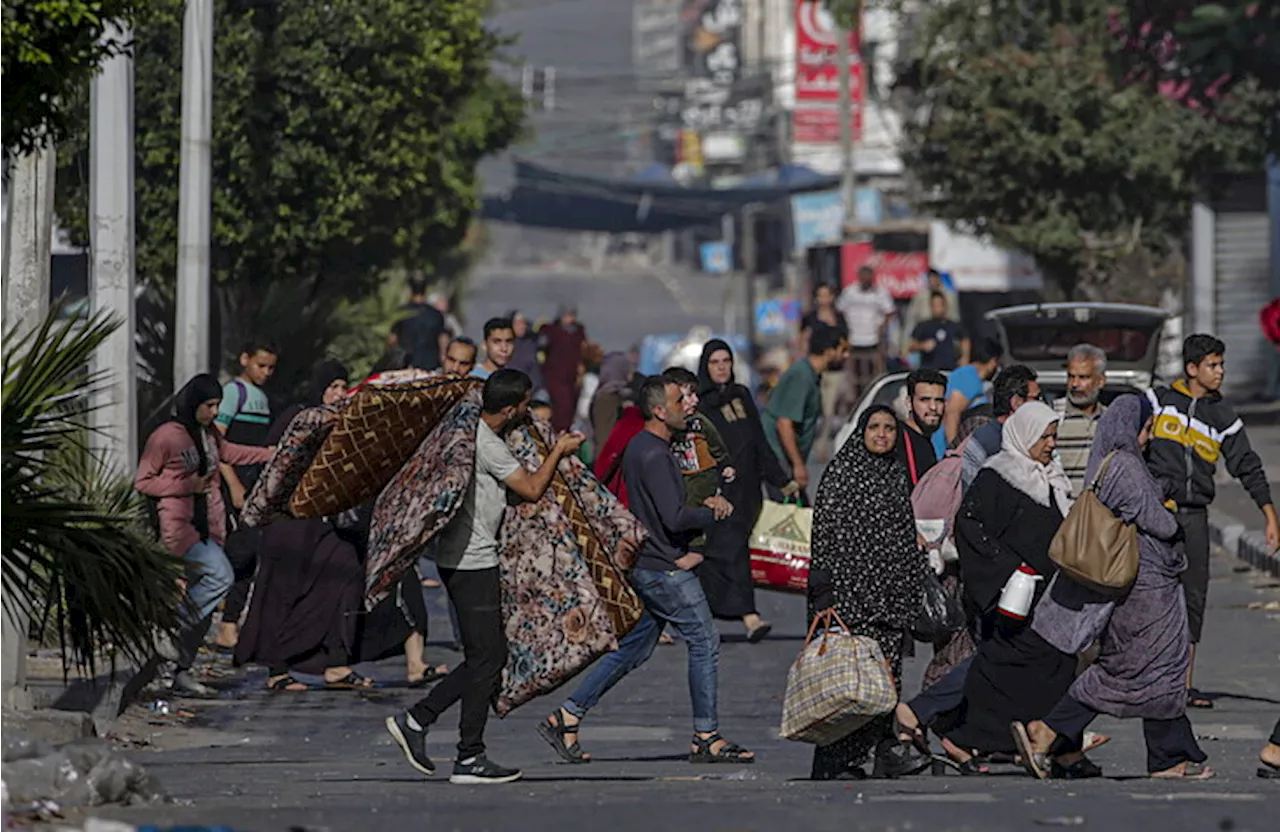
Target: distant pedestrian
499,346
562,342
610,396
940,341
726,573
422,333
868,308
1079,410
966,387
919,309
179,470
467,556
824,314
244,417
665,582
795,407
524,353
1194,428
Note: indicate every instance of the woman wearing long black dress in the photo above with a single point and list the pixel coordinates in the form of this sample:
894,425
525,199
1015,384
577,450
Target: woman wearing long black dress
308,595
726,573
864,543
1007,520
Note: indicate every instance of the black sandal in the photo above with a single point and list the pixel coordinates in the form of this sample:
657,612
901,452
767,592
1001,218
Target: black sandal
1196,699
728,753
553,730
1082,769
975,766
429,677
352,681
285,682
918,738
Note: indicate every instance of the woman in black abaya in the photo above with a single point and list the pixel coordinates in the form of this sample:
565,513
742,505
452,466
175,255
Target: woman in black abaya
726,573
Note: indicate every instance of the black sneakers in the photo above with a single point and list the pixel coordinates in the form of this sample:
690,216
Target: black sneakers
480,770
413,742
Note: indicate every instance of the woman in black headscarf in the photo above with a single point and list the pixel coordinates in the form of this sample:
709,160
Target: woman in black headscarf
726,572
866,552
308,596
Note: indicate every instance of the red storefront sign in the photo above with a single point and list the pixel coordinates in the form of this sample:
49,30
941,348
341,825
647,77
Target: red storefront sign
815,118
821,125
897,271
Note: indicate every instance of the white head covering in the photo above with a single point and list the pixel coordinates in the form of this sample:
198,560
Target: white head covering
1014,463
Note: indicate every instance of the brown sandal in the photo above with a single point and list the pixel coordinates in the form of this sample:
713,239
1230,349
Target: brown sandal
1185,771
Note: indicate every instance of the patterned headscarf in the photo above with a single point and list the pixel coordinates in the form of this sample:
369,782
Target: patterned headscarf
864,534
1014,463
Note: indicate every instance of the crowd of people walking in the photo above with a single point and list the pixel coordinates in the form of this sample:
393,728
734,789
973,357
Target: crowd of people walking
978,454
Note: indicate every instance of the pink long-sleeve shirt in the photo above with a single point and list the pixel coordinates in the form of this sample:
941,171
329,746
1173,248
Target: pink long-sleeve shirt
164,472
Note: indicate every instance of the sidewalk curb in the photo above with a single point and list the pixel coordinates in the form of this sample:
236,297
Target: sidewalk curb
1248,546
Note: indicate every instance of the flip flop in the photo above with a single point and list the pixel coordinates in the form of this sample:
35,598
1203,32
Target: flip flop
1190,771
1094,740
431,676
288,684
1033,762
352,681
1268,772
758,634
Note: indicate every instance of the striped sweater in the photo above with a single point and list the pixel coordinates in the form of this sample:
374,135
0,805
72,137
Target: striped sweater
1075,439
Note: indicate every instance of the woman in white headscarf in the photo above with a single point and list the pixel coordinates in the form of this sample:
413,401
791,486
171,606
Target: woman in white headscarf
1006,523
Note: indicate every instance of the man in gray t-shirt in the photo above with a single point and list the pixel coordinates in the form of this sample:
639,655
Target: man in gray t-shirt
467,554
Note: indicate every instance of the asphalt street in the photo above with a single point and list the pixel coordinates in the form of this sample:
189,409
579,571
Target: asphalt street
255,761
321,760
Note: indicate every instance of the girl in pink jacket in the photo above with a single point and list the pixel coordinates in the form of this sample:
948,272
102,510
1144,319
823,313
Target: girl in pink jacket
179,469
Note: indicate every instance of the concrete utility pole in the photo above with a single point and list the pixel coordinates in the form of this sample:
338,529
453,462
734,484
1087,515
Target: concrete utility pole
111,243
848,177
27,261
195,195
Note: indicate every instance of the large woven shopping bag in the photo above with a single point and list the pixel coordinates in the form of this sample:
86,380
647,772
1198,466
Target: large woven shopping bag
837,684
780,547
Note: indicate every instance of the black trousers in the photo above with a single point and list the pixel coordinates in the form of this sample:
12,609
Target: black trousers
1169,741
944,695
1275,734
477,595
242,552
1195,580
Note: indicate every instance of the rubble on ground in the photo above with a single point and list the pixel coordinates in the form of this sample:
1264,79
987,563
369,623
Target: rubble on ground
40,779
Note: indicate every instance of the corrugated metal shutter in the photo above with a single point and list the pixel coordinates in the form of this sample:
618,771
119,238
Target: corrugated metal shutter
1242,288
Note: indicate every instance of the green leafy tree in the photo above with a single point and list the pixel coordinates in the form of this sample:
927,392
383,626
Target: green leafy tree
79,556
51,48
1212,46
1028,135
346,136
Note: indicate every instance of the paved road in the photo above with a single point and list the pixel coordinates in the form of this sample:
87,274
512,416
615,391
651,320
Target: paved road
322,760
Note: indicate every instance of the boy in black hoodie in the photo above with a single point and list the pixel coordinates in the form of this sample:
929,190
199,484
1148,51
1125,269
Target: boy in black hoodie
1193,427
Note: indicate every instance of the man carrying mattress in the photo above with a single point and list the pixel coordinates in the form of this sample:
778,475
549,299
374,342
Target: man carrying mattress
467,556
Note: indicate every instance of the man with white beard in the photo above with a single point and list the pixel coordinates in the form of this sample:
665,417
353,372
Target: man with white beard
1079,410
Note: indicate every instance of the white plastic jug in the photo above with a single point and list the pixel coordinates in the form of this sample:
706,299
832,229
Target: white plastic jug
1018,592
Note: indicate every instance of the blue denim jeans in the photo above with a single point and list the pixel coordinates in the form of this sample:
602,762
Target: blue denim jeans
676,598
209,579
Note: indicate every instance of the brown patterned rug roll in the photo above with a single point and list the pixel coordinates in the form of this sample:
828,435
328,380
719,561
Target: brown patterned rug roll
378,431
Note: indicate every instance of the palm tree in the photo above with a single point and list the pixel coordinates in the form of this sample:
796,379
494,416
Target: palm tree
79,555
